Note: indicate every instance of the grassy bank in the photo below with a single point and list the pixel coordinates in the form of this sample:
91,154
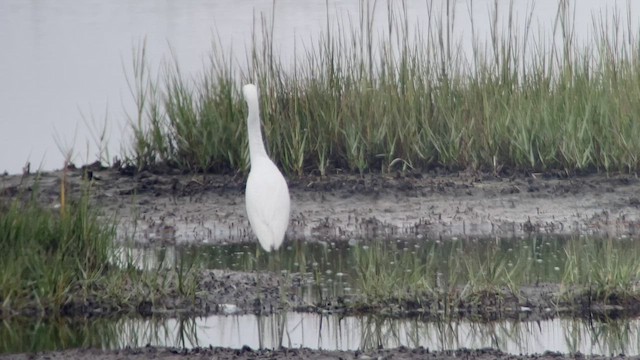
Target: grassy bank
64,260
408,98
46,253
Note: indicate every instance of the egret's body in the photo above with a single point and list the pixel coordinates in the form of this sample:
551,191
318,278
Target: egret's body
267,193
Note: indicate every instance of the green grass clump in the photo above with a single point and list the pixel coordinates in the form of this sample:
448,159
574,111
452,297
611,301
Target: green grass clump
449,273
57,261
65,260
47,254
407,98
588,270
605,271
384,273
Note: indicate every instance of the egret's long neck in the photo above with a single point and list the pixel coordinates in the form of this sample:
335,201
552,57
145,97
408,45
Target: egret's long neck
256,145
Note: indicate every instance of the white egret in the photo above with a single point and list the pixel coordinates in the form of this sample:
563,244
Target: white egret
267,193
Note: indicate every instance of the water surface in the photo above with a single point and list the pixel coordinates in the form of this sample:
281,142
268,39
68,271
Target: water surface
327,332
63,63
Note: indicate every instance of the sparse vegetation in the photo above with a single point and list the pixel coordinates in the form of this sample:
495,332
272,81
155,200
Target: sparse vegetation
429,275
451,272
364,102
602,271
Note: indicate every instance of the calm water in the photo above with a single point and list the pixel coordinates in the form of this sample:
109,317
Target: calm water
63,62
326,332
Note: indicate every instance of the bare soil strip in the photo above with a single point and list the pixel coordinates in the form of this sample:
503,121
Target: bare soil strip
210,208
247,353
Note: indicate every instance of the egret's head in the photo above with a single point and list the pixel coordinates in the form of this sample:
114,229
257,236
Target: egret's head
250,93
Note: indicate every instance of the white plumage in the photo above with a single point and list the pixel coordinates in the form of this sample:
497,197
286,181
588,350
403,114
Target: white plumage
267,193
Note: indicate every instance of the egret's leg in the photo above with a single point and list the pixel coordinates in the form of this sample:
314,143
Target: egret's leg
282,276
257,258
256,269
273,261
277,258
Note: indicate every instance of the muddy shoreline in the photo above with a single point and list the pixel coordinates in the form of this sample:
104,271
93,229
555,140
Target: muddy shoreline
248,353
191,209
210,208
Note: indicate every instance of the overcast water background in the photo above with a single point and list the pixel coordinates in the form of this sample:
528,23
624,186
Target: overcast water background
63,63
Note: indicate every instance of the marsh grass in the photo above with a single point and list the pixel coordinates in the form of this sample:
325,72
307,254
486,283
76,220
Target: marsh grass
603,271
56,260
405,98
47,254
386,273
443,275
428,274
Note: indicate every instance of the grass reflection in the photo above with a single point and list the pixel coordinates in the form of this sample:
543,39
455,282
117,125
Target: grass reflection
330,332
34,335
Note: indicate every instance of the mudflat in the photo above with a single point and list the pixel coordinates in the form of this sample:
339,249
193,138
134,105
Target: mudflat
210,208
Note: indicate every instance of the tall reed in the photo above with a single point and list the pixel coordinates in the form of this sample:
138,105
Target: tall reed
408,98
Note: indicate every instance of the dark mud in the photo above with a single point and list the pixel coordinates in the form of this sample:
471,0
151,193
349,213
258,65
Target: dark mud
177,208
210,208
247,353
